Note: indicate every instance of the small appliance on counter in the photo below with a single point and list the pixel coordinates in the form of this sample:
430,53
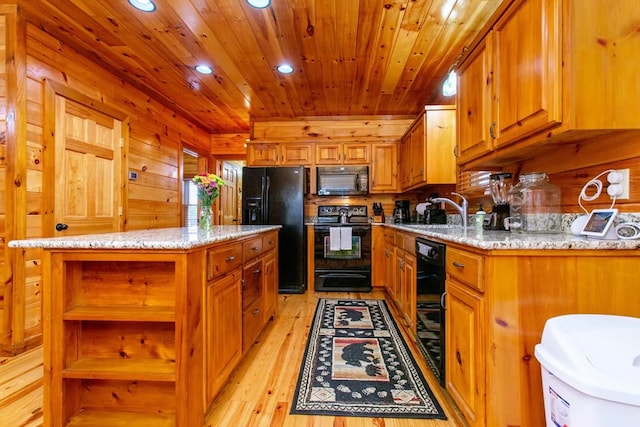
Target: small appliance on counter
401,211
499,186
432,213
378,212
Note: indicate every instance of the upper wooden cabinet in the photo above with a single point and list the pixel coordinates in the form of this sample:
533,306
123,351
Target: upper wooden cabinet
343,154
383,174
527,69
427,149
474,104
275,154
548,71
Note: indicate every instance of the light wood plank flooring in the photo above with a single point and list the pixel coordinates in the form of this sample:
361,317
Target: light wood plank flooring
259,392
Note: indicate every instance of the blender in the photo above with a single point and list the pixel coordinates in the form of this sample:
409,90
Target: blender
499,186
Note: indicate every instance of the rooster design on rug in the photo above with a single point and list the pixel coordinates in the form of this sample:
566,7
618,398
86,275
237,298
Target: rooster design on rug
356,353
347,315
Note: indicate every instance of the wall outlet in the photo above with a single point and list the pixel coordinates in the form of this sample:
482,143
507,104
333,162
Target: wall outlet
619,184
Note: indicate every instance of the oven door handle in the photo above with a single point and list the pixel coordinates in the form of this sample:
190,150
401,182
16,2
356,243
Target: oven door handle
341,275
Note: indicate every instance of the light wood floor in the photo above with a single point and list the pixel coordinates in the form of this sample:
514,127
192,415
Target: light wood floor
259,392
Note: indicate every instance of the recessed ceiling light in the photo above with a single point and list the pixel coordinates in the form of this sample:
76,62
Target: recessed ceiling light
260,4
204,69
285,68
143,5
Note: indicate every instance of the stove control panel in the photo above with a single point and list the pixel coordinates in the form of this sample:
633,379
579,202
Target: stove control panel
350,211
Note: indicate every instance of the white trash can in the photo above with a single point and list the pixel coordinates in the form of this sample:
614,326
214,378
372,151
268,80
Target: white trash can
591,370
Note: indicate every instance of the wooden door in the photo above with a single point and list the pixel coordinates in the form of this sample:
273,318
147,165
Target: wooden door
475,79
229,195
87,195
262,154
416,152
440,142
384,168
528,69
328,154
296,154
464,355
356,154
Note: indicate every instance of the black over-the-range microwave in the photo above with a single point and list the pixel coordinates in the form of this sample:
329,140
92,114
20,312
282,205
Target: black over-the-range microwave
342,180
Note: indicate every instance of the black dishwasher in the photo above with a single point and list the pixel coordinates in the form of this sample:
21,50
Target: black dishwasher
430,287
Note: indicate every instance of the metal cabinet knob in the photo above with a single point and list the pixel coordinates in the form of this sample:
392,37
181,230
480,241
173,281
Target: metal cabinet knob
61,227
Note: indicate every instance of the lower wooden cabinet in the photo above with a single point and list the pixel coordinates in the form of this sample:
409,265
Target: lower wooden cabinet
464,351
223,343
270,293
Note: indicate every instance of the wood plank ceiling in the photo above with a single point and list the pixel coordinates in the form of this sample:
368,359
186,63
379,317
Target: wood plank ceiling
351,57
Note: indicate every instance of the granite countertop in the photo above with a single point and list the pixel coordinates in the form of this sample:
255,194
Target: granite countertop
506,240
159,238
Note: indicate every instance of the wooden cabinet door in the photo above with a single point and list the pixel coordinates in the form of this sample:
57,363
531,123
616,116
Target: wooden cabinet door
440,140
464,351
409,291
404,168
252,283
384,168
474,113
356,154
390,271
528,69
296,154
262,154
398,271
416,152
270,285
223,342
328,154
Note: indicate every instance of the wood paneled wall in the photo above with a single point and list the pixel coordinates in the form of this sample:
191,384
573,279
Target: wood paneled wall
153,150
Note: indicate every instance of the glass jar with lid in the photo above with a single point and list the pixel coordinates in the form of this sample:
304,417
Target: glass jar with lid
534,205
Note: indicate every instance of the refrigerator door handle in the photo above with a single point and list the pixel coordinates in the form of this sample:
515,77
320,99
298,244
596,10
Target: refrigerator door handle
265,202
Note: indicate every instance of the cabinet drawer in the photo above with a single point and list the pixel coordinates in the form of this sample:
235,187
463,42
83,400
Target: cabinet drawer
467,267
409,242
221,260
252,283
252,248
389,237
251,324
269,241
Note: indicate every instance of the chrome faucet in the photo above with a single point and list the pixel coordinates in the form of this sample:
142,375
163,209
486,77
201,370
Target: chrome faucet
463,207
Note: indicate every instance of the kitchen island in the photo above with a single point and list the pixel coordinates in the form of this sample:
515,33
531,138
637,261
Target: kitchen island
501,288
144,327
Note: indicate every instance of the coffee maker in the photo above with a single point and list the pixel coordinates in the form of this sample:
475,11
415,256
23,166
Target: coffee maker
401,211
499,186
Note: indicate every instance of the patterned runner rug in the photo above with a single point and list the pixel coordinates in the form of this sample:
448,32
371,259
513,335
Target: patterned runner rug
357,364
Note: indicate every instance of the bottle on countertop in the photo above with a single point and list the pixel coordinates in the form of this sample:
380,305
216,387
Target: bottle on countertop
480,219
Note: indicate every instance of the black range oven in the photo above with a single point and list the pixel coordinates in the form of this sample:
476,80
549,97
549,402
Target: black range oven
342,249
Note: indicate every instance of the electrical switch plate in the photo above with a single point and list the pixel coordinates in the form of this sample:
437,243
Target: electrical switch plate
621,189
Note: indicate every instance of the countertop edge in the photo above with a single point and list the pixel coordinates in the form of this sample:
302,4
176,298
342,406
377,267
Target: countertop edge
181,238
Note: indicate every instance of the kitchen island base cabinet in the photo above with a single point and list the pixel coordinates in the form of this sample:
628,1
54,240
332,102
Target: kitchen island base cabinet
146,337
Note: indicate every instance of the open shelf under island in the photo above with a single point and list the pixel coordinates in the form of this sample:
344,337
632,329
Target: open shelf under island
145,327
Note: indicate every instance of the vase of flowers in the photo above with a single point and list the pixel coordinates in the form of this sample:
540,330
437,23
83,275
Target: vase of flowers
209,186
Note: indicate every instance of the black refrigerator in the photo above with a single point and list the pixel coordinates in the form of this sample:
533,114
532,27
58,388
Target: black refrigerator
276,196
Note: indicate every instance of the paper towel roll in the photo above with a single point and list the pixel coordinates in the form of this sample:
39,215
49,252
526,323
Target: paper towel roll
421,207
